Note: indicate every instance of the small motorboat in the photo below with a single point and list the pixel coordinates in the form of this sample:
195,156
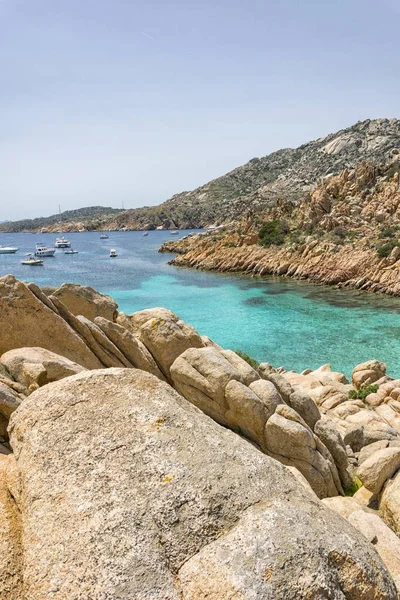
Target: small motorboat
31,260
42,250
113,253
8,250
104,236
174,232
146,233
71,251
62,242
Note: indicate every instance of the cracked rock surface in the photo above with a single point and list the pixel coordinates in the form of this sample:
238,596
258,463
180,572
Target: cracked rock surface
126,490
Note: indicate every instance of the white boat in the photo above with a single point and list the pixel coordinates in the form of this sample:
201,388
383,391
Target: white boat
71,251
42,250
62,242
174,232
31,260
8,250
113,253
104,236
145,233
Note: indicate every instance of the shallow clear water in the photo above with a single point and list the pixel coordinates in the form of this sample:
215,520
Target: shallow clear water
284,322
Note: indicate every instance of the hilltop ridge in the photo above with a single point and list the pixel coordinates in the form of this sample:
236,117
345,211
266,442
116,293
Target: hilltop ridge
345,232
89,218
286,174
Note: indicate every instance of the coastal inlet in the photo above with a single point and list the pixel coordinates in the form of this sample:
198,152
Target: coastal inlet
280,321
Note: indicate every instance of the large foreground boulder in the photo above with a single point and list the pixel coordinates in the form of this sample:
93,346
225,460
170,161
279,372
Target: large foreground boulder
330,436
378,468
141,317
34,367
292,442
386,542
10,534
368,521
131,347
390,503
202,376
28,318
359,436
345,505
168,338
230,391
367,373
127,491
84,300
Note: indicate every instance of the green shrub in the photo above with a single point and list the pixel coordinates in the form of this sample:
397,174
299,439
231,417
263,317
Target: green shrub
251,361
385,249
353,487
272,233
394,169
388,232
363,393
309,229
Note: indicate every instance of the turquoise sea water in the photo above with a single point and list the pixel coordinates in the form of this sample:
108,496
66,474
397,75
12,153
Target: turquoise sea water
284,322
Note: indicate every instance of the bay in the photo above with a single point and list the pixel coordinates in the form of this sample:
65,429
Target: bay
281,321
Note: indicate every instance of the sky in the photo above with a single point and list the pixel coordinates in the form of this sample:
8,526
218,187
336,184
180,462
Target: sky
127,102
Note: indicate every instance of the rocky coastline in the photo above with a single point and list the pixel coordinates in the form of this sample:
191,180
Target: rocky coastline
345,267
344,233
139,459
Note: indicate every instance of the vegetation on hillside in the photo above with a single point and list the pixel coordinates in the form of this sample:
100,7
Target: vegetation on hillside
385,250
92,215
272,233
363,393
251,361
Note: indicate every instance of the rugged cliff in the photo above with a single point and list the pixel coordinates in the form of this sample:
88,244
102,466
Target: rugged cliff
344,232
283,176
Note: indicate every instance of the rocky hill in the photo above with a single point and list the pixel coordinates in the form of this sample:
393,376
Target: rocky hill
346,231
141,460
285,175
91,218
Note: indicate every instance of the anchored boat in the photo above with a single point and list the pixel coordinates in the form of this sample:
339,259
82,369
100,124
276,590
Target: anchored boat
42,250
113,253
62,242
8,250
32,261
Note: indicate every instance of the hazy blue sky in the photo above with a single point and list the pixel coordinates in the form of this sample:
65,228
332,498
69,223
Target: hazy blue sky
111,101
